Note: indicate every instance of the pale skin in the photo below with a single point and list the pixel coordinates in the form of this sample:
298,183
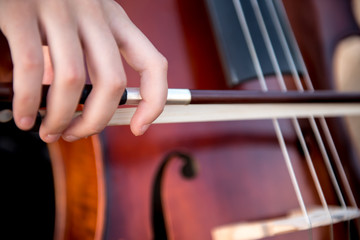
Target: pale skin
94,33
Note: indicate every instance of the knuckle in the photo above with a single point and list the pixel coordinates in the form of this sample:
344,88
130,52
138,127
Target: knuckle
95,128
56,122
27,98
73,77
115,85
91,126
161,62
56,125
31,61
158,109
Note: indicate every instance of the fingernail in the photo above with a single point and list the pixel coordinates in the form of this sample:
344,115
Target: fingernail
52,138
26,122
70,138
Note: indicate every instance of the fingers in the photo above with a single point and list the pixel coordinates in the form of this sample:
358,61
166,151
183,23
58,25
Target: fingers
153,99
106,74
144,58
68,67
74,31
22,33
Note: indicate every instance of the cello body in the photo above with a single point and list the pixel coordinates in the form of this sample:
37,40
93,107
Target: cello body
241,171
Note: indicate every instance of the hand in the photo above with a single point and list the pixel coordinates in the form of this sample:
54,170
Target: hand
79,33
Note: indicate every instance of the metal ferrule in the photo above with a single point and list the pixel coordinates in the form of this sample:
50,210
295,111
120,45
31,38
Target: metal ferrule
175,96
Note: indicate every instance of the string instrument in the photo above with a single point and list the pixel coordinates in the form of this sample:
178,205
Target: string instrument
236,182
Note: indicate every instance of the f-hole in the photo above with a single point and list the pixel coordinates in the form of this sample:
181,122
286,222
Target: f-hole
188,170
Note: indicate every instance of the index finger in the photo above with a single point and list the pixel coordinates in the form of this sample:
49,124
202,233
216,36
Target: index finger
151,65
23,35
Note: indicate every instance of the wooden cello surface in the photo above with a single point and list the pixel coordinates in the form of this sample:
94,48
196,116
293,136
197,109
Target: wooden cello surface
241,172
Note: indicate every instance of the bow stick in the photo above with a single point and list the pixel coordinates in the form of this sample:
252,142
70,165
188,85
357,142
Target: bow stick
184,105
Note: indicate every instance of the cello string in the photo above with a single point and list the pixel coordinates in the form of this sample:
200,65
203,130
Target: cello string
284,45
286,21
255,59
282,84
323,123
299,86
280,79
268,45
337,161
260,75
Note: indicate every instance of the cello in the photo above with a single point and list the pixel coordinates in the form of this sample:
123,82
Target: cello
239,162
224,183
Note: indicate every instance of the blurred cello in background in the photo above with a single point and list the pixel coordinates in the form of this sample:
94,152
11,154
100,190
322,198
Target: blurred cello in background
132,189
242,175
